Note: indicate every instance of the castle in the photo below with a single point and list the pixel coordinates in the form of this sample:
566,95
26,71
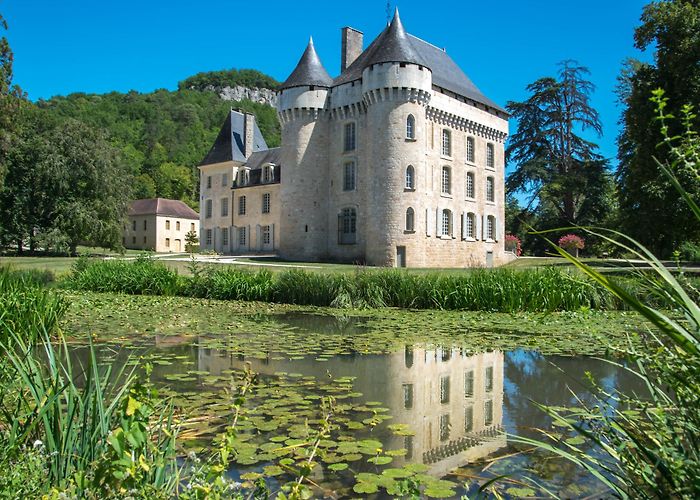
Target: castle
399,161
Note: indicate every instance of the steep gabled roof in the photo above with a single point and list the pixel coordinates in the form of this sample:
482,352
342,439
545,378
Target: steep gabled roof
162,206
230,143
309,71
395,45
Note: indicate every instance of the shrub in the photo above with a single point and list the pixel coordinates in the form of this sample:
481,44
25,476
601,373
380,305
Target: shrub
689,251
512,244
571,243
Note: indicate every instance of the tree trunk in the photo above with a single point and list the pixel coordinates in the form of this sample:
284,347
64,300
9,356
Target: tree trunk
20,247
73,249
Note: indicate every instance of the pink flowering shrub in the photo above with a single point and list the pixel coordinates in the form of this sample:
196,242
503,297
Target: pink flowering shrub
571,243
513,244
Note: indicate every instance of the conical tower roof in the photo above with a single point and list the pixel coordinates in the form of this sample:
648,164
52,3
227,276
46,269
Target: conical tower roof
309,71
393,45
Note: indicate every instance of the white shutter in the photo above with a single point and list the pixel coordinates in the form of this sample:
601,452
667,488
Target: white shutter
272,236
464,226
452,224
258,239
495,229
233,238
428,224
248,237
483,227
438,225
215,243
476,227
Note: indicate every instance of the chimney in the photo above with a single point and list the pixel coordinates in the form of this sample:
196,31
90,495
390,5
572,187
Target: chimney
351,46
248,140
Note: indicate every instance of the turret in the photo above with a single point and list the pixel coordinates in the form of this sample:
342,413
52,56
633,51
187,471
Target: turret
304,154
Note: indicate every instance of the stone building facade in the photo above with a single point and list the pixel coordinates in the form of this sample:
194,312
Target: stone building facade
399,161
159,225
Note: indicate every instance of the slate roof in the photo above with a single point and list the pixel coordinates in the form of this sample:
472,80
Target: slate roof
230,143
395,45
309,71
259,158
162,206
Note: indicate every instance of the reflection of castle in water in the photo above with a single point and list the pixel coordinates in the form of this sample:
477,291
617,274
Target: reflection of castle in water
451,400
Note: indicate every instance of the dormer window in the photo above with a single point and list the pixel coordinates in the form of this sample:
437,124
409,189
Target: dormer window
243,177
268,174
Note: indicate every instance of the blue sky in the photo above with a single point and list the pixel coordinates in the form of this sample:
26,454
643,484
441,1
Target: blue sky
99,46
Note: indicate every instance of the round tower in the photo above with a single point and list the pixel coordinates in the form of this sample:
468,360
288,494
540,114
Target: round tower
396,88
303,158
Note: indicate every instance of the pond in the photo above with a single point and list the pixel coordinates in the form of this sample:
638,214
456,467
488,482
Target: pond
440,414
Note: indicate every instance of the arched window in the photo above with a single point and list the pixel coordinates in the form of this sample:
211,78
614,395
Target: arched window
490,161
470,185
446,142
470,149
410,219
446,180
408,356
410,177
446,223
490,194
410,127
470,226
347,226
490,227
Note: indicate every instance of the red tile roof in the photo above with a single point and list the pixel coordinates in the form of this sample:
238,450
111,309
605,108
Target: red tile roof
161,206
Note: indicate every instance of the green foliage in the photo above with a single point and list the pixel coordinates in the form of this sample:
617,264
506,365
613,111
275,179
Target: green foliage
689,251
671,29
191,242
503,290
208,80
648,441
60,187
27,307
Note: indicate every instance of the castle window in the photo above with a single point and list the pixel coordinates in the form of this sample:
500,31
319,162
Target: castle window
224,207
446,223
241,236
488,379
191,227
469,384
490,162
133,240
167,242
410,216
410,127
468,418
470,185
145,224
470,226
208,237
491,228
445,427
408,356
241,205
445,389
350,136
177,225
349,176
490,194
470,149
266,235
407,396
208,209
446,142
224,180
167,224
133,225
446,185
224,236
347,226
488,412
208,181
266,203
410,177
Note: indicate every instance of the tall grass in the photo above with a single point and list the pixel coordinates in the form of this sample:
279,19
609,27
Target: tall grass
649,445
502,290
27,307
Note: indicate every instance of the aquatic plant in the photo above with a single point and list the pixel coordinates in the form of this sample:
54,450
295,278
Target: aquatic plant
649,443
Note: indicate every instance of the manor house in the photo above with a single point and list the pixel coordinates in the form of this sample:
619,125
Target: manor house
398,161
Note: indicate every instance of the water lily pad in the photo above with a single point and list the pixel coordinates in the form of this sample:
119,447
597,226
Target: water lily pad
338,467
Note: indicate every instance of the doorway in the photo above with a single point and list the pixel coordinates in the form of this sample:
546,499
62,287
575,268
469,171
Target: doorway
489,259
400,256
178,245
